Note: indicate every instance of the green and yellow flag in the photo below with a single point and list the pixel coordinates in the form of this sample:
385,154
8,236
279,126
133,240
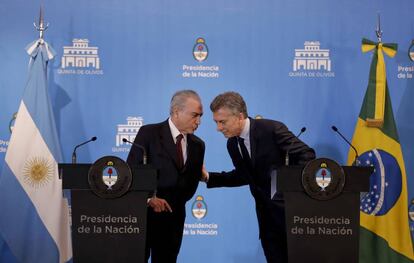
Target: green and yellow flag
385,235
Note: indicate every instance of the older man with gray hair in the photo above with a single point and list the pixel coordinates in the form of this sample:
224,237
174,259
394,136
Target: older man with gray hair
178,155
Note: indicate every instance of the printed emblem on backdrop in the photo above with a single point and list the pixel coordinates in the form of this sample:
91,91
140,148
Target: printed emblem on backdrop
411,211
312,61
411,51
199,211
200,50
200,54
199,208
11,123
385,181
407,71
323,179
127,131
81,59
411,215
5,143
110,177
38,171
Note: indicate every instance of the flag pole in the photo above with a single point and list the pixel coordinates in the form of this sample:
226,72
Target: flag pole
41,26
378,31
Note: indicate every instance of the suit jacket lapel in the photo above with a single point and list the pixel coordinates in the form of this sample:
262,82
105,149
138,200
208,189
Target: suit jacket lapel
252,140
167,142
234,149
190,150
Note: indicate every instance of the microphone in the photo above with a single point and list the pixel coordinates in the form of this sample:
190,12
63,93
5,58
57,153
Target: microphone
290,146
144,152
77,146
343,137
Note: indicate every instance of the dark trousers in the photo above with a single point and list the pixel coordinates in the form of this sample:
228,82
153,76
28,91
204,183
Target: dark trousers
271,217
164,235
274,249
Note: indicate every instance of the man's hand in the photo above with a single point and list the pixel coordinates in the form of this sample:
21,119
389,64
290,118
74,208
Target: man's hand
159,205
204,174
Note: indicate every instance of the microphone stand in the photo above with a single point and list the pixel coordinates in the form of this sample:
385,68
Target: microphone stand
290,146
77,146
356,161
144,152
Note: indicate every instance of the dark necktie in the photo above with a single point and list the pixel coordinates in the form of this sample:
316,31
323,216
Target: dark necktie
180,151
245,153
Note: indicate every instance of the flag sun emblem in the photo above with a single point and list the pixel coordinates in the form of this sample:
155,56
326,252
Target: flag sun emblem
37,172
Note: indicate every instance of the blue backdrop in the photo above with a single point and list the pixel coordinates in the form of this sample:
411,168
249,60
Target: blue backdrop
119,62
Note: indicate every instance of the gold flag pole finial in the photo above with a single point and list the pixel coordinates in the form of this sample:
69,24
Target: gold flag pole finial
42,26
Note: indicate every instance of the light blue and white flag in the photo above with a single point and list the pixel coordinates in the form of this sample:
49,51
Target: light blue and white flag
34,220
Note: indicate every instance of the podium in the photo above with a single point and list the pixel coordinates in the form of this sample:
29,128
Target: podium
322,230
103,229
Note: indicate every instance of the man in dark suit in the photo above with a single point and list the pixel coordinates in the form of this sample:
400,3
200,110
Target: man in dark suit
256,147
178,155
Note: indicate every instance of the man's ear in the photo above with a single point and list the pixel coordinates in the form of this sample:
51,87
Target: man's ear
175,112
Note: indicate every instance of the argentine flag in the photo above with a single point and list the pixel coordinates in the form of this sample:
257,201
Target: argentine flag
34,219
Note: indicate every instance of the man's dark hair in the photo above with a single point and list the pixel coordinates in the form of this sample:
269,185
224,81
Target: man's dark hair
230,100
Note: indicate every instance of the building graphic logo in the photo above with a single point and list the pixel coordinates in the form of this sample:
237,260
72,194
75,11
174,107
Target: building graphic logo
80,55
312,61
312,57
80,58
127,131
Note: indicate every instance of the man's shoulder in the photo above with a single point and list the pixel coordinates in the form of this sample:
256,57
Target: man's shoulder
153,130
153,126
267,123
196,139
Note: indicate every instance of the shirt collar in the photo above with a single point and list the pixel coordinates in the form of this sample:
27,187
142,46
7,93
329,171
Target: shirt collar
245,134
174,131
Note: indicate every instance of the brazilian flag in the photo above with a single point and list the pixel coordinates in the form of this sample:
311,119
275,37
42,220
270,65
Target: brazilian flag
385,235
